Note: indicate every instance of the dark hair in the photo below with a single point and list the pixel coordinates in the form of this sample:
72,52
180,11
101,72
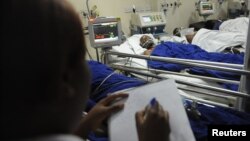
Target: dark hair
209,24
41,38
177,32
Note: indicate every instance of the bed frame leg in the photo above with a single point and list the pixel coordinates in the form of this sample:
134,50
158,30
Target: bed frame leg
244,104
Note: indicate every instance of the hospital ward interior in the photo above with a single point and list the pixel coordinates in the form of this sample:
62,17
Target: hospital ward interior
191,56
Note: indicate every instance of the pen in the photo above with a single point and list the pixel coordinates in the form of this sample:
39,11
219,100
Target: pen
150,105
152,101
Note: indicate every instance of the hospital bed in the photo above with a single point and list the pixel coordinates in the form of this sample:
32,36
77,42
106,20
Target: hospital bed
219,40
200,112
239,24
131,48
127,57
229,33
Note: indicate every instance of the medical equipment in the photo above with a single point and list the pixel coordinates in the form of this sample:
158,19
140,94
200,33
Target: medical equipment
205,8
105,32
148,22
237,8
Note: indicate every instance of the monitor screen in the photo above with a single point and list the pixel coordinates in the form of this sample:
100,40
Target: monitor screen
146,19
105,32
207,6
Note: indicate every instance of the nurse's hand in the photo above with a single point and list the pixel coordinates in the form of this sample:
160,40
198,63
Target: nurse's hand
153,124
101,111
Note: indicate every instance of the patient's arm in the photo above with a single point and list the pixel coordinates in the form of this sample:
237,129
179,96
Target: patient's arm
147,52
190,38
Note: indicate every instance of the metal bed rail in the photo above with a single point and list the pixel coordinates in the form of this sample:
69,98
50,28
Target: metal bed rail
244,104
243,70
205,93
239,66
206,102
212,65
192,98
225,91
181,74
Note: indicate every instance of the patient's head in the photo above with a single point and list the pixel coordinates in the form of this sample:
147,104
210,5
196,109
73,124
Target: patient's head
177,32
146,42
45,80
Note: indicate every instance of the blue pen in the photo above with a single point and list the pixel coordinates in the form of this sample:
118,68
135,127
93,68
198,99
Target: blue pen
152,101
151,104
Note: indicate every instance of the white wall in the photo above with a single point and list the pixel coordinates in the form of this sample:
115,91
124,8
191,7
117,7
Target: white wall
111,8
185,14
176,17
182,16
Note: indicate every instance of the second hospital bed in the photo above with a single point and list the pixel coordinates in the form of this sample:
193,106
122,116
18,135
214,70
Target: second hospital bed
175,50
105,81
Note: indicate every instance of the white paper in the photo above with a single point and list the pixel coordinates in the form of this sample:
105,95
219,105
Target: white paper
122,126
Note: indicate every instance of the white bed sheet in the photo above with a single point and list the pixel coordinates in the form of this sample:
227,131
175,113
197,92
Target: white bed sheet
228,100
217,41
236,25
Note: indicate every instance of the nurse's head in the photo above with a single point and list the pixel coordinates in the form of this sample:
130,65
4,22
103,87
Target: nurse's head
45,80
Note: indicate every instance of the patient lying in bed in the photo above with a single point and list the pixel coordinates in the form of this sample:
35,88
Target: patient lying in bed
209,40
216,40
189,51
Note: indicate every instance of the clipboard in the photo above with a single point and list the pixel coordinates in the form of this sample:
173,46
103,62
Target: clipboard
122,125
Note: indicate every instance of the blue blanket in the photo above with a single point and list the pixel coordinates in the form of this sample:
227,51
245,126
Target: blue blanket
189,51
209,115
215,116
113,82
